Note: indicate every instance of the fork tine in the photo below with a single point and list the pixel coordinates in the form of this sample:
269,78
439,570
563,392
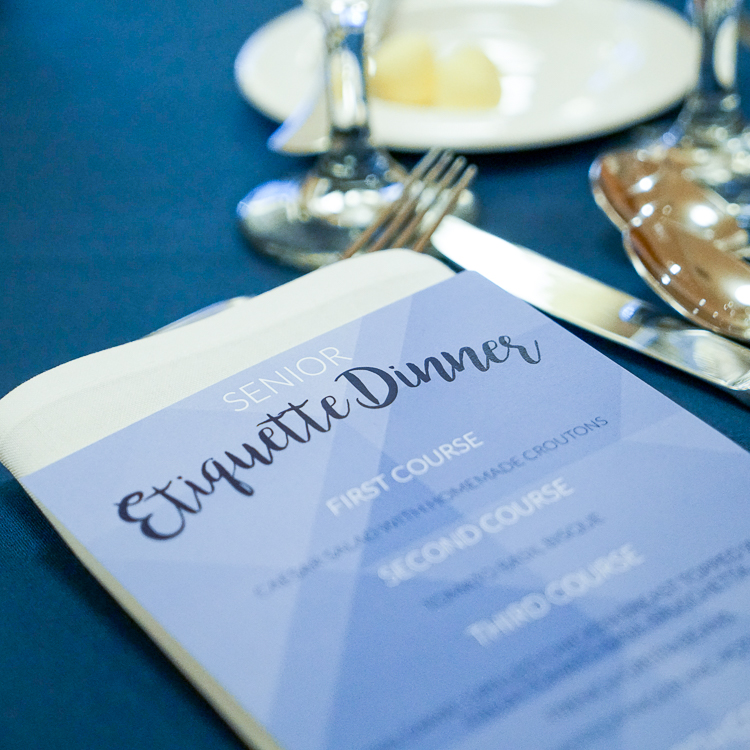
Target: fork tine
452,199
430,192
444,182
407,207
423,166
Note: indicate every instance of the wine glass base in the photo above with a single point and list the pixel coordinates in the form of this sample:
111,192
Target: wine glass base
275,220
288,221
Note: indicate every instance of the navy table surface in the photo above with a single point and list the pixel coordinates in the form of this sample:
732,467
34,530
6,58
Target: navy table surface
124,147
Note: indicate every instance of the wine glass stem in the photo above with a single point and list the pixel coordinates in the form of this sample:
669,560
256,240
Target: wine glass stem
350,154
711,113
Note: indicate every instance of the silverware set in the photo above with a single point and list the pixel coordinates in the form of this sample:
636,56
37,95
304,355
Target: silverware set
422,218
681,202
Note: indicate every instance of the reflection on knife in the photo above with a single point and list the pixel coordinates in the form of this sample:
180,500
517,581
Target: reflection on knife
578,299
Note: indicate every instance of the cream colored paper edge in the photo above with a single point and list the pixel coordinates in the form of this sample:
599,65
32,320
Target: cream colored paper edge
76,404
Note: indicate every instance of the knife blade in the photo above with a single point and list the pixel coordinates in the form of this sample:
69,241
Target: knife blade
592,305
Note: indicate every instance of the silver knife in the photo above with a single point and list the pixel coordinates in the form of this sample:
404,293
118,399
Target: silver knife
589,304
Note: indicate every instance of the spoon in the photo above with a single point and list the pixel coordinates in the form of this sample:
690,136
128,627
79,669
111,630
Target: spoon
681,236
626,182
620,182
691,272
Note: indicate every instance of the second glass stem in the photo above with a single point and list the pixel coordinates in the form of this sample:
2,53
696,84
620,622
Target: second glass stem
711,113
350,153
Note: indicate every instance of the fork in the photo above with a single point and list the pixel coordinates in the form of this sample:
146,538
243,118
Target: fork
431,190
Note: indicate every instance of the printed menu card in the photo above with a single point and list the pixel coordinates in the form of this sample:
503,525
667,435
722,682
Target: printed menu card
449,524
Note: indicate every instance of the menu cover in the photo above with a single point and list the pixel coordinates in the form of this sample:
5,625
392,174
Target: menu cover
448,524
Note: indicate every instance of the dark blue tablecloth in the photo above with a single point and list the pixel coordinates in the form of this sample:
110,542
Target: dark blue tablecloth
124,147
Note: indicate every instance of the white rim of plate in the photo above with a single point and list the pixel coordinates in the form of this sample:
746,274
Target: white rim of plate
544,102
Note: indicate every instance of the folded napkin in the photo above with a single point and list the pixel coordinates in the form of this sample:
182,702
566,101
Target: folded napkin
80,402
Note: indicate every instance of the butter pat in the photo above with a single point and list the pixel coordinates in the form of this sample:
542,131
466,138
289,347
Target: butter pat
408,71
405,70
467,79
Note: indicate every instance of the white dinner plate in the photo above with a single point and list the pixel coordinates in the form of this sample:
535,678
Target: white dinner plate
570,69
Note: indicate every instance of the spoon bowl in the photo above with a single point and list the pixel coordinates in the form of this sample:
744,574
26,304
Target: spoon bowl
642,182
621,182
691,273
